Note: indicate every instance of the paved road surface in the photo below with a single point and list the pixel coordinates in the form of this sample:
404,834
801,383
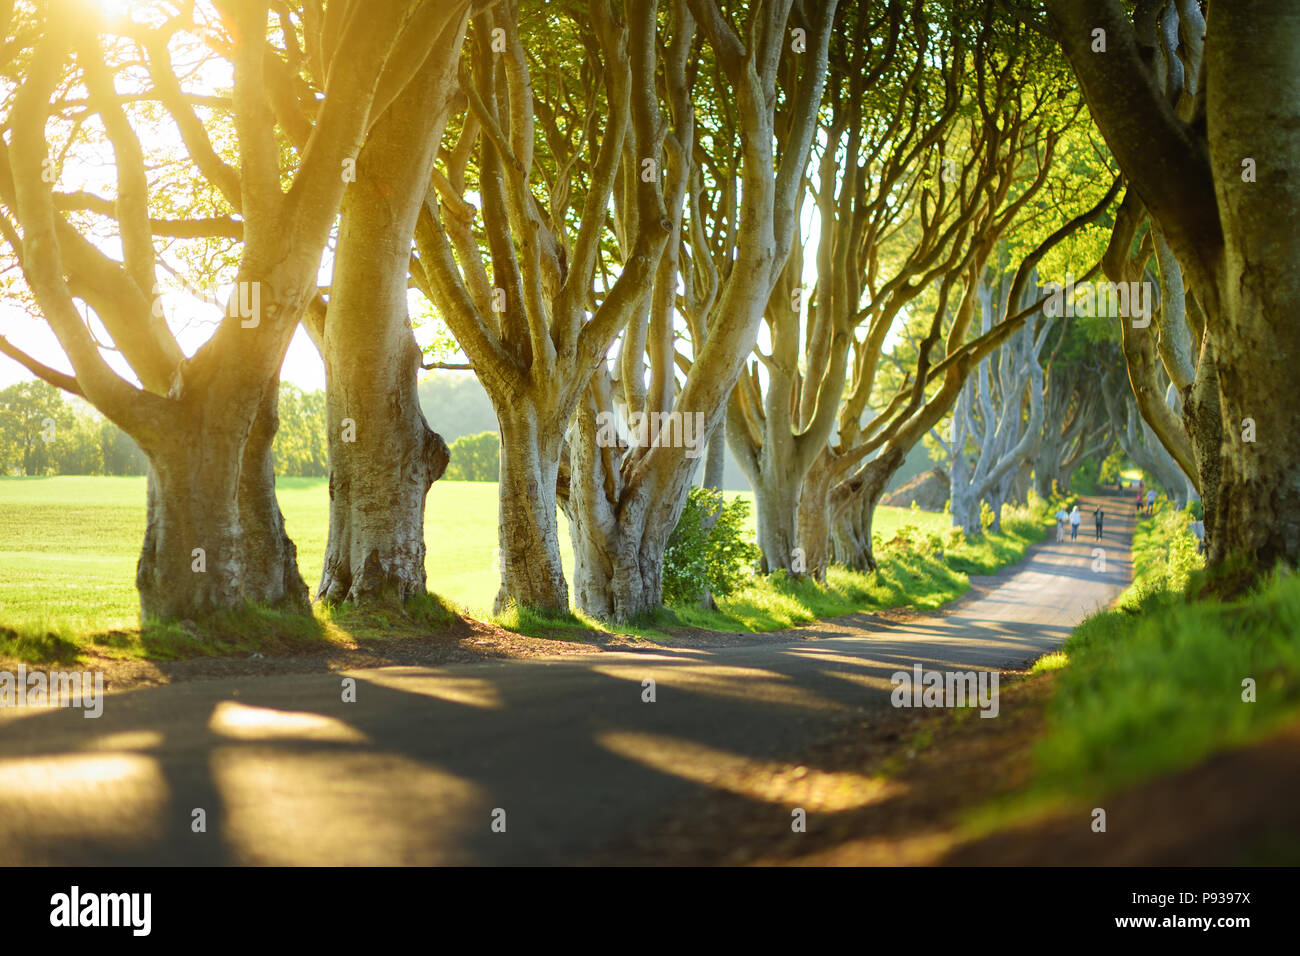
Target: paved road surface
285,772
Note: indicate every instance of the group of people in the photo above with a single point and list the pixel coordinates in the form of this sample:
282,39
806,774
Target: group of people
1146,500
1074,518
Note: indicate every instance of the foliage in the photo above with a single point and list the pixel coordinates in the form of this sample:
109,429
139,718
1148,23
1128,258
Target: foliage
455,404
1085,480
301,448
1061,499
1165,555
1115,464
475,458
42,432
709,549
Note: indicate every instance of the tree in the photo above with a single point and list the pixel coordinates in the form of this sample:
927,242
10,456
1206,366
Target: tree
76,448
33,416
300,447
533,329
214,537
383,455
1075,426
990,412
1211,165
883,110
625,497
1008,140
1139,441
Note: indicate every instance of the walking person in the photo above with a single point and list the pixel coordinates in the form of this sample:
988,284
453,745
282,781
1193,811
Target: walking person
1151,502
1098,518
1076,519
1062,516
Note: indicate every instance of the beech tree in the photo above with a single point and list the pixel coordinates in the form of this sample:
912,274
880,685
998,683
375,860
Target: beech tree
1075,425
214,537
1188,424
625,499
1000,409
1212,168
383,455
532,327
1139,442
1006,151
881,147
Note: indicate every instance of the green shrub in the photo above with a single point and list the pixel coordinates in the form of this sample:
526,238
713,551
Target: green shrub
1165,551
910,538
718,557
475,458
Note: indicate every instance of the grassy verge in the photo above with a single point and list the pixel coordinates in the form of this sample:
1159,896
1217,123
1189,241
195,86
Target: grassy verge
251,629
918,567
1161,682
68,548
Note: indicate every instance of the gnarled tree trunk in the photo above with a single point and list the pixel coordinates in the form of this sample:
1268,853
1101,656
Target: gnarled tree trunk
214,534
531,572
383,460
383,455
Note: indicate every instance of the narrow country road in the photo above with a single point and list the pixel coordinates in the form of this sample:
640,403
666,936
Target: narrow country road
563,752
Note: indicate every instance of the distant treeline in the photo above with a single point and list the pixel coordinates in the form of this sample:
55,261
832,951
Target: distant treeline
83,442
43,433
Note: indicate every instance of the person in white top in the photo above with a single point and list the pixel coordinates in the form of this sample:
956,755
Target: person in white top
1076,519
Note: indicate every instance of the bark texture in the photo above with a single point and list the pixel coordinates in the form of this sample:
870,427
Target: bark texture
383,455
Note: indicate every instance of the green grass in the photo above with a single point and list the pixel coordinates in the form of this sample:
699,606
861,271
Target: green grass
914,576
69,545
1157,684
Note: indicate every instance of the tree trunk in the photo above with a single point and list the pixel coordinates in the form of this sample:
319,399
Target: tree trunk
1254,110
852,528
776,499
620,532
618,572
383,460
1043,481
814,527
531,572
715,460
383,456
214,535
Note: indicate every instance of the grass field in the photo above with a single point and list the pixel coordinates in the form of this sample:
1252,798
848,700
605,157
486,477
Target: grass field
69,545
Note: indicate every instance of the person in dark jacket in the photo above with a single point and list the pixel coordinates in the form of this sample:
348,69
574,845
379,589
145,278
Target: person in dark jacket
1098,517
